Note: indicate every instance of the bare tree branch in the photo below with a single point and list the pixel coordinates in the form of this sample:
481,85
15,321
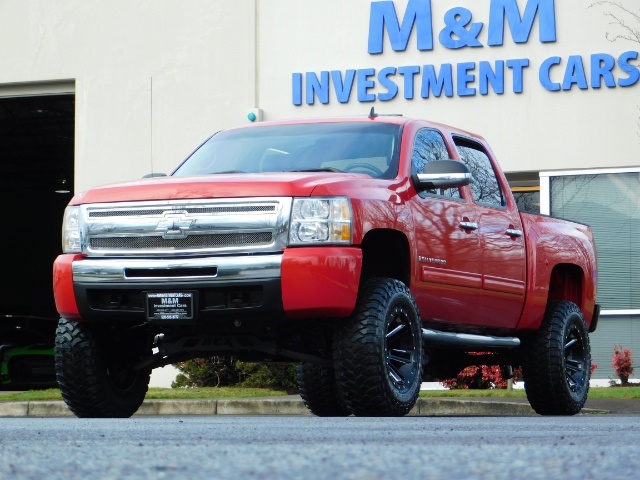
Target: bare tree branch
631,33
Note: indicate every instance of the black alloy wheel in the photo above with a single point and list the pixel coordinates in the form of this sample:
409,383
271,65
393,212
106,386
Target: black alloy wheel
575,360
400,348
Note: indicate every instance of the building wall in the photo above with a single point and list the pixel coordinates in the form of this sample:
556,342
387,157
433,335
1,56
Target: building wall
154,78
529,131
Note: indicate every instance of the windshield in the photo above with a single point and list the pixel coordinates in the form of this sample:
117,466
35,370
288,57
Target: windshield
370,148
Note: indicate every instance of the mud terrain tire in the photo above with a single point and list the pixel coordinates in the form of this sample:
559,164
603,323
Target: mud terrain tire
94,375
378,352
557,362
317,385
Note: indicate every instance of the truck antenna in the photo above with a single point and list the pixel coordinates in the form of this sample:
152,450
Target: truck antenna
373,114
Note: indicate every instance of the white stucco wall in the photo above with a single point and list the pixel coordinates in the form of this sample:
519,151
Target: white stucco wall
534,130
154,78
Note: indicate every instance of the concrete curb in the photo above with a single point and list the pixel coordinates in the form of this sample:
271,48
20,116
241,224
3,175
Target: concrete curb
262,406
14,409
288,405
178,407
447,406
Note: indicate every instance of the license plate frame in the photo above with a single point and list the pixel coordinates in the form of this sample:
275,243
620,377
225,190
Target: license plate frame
163,306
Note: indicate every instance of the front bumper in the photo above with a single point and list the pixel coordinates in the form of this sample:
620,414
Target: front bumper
297,283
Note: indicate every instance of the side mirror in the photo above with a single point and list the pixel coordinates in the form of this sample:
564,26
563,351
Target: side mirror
443,174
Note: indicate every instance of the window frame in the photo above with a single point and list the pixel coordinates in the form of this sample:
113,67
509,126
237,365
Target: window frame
475,145
427,193
545,209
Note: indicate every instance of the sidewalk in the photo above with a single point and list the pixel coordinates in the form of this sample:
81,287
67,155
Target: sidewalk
292,405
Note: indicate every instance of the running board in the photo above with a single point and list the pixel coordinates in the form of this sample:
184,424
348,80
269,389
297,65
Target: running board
468,340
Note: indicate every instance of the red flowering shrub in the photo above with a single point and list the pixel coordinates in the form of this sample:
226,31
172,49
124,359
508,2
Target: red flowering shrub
485,377
622,362
480,377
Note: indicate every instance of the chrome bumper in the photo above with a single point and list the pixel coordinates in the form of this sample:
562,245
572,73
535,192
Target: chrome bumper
108,270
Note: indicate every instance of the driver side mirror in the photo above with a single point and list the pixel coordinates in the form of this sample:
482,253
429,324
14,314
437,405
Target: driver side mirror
442,174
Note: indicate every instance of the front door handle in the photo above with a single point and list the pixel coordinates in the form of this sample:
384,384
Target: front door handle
469,225
513,232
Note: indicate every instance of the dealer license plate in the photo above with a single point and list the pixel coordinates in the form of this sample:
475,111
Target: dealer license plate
170,306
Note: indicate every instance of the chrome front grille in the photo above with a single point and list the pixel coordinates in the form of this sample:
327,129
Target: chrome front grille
188,210
192,241
185,227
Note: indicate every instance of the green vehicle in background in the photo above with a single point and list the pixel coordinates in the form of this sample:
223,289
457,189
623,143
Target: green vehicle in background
26,353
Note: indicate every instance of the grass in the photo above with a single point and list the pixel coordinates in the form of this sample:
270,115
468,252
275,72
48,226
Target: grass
497,393
155,393
632,393
627,393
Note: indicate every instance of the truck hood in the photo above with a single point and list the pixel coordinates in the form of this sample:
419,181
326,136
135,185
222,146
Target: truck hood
283,184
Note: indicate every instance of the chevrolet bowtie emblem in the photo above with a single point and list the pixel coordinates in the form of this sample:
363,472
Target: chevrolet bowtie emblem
174,228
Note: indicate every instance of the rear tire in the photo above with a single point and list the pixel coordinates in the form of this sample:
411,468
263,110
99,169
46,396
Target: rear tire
378,352
94,371
317,385
557,363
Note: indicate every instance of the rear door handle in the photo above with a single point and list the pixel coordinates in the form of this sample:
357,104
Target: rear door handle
469,225
512,232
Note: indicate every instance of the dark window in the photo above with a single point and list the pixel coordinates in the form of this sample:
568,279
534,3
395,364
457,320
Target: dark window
528,200
428,147
484,183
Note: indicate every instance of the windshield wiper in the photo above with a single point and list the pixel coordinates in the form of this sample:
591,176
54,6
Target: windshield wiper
228,171
325,169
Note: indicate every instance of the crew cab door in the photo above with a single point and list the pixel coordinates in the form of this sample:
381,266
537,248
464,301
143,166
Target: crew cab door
501,238
447,247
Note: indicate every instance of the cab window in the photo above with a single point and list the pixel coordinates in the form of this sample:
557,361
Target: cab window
429,146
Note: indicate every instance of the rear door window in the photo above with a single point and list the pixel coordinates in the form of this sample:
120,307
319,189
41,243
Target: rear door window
485,186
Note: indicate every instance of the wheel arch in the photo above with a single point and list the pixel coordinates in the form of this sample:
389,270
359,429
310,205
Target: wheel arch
385,253
567,283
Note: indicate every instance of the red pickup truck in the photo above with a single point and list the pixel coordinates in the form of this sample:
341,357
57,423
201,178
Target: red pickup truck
375,251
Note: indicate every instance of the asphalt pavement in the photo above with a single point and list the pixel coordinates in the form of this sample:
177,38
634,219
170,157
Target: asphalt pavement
293,405
285,447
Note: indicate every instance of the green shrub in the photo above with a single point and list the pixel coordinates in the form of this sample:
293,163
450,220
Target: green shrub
222,371
206,372
267,375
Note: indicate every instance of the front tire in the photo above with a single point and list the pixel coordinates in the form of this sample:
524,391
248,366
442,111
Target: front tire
557,365
94,371
378,352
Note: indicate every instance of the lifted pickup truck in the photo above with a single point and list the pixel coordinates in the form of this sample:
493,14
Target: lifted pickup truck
374,251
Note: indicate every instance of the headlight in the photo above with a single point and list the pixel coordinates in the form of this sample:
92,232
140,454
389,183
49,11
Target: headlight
71,241
320,220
